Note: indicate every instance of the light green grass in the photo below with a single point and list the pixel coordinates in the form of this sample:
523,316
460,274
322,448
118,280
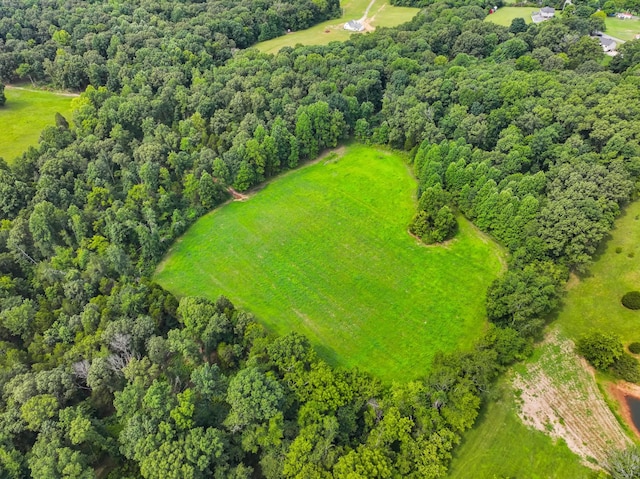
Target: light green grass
381,14
505,15
324,251
622,29
500,446
24,116
594,302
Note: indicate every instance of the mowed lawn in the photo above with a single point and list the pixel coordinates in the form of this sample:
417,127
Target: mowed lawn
622,29
499,445
324,251
24,116
505,15
381,14
593,301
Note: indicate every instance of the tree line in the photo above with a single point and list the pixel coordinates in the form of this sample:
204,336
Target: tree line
73,44
522,130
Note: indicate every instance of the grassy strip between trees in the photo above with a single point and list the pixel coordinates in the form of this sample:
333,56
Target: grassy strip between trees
24,116
499,445
325,251
505,15
594,301
381,14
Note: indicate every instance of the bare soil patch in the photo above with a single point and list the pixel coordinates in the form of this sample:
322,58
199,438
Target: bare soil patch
57,92
619,391
560,397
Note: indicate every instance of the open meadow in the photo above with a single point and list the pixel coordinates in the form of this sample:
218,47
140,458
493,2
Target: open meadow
381,14
505,15
500,445
324,251
593,301
500,442
623,29
24,116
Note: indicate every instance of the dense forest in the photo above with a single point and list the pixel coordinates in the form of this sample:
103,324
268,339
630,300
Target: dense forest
73,43
102,372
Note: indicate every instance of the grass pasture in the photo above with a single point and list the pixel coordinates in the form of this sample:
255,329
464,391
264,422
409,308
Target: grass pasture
499,445
623,29
324,250
24,116
593,302
381,14
505,15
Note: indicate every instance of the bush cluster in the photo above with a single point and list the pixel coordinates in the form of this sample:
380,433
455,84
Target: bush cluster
631,300
634,348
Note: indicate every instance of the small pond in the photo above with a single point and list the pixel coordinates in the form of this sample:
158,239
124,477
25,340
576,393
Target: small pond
634,408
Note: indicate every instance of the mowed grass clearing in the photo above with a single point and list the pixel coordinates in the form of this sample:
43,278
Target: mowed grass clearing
500,445
324,251
622,29
505,15
381,14
25,114
593,301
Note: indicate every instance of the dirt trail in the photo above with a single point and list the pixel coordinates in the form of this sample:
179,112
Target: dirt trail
366,12
60,93
560,397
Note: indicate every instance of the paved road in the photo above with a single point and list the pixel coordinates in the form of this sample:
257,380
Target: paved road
604,35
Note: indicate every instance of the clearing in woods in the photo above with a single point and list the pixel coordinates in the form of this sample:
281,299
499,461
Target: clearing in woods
25,114
324,250
505,15
593,301
381,14
622,29
550,421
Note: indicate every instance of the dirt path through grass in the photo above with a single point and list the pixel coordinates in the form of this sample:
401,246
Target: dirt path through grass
35,90
560,396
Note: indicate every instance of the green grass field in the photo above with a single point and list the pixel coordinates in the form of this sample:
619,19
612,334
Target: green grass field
24,116
324,250
505,15
381,14
594,301
499,445
622,29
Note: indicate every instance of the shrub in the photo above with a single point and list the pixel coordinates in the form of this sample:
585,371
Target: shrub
631,255
619,249
600,349
631,300
634,348
626,367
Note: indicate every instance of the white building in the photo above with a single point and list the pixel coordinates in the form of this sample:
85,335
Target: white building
545,13
354,26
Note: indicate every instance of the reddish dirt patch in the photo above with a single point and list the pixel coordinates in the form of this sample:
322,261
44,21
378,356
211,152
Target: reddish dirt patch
619,391
560,397
237,196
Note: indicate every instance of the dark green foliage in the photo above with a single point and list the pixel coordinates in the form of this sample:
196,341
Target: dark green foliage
518,25
536,154
522,298
634,348
434,222
626,367
602,350
73,57
3,98
631,300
